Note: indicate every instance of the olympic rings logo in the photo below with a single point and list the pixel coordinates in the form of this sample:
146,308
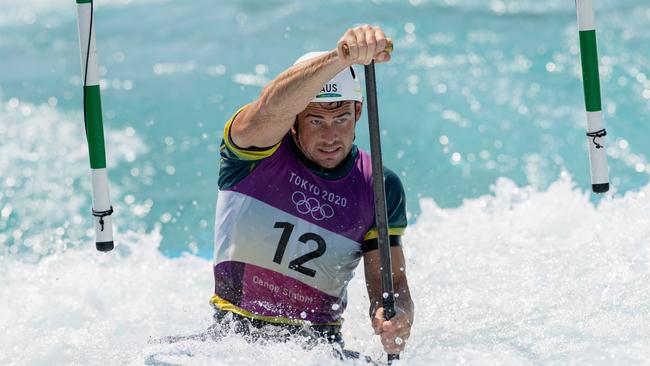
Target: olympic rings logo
312,206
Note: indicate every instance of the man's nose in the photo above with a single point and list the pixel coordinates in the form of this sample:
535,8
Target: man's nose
328,133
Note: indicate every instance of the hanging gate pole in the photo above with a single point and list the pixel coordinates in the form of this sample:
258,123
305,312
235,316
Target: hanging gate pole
92,106
590,79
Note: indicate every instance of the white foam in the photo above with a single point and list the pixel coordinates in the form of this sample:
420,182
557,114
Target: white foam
83,307
517,277
45,176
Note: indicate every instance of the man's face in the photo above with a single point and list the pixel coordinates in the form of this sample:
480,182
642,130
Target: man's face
326,131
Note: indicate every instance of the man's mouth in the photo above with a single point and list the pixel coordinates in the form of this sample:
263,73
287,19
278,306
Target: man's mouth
329,150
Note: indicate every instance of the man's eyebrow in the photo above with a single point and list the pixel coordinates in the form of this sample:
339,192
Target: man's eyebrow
314,115
322,117
343,114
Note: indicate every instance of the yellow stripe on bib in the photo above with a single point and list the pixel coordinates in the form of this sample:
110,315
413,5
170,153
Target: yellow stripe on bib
373,234
225,305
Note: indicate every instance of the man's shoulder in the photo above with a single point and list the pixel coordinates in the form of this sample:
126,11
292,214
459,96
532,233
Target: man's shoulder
237,163
248,153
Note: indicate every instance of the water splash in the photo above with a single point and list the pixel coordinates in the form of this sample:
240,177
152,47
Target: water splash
519,276
44,177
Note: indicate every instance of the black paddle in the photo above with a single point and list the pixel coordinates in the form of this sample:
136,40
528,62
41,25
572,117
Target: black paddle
381,214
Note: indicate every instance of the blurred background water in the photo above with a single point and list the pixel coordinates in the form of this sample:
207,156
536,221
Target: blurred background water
483,118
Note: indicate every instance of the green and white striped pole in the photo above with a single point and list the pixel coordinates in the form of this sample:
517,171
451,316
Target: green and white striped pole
102,208
595,125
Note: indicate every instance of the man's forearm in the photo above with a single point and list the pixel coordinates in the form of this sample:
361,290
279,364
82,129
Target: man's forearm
404,301
267,120
290,93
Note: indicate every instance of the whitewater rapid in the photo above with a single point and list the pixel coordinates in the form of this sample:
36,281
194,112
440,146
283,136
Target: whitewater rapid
519,276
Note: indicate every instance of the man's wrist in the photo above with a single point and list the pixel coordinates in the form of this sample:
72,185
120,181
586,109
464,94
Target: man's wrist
341,60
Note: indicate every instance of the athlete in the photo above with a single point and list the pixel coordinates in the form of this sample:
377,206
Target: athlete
295,212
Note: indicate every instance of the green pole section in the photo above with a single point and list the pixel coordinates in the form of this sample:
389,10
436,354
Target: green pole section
590,77
94,127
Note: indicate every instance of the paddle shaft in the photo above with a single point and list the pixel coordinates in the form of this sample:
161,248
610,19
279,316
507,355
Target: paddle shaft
381,214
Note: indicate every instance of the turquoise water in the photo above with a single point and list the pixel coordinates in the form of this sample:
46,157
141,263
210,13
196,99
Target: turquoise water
477,90
511,259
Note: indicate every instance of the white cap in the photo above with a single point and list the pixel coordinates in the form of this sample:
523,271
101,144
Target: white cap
344,86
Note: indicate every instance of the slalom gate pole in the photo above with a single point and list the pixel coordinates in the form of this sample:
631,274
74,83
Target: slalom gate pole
590,80
92,106
381,213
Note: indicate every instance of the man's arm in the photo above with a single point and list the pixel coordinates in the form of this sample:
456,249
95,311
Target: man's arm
400,325
265,121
